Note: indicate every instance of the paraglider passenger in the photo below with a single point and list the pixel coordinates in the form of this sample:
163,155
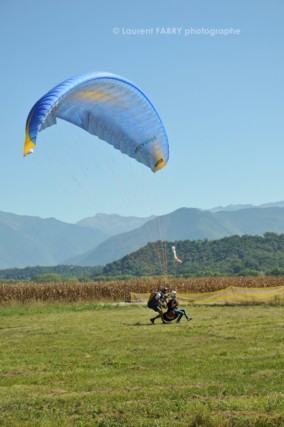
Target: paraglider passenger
173,305
157,300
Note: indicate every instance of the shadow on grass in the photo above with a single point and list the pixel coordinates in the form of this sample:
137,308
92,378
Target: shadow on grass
148,324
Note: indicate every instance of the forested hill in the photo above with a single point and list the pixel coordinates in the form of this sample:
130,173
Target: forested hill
235,255
184,224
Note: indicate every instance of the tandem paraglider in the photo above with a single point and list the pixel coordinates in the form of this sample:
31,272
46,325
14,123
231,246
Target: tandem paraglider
108,106
163,299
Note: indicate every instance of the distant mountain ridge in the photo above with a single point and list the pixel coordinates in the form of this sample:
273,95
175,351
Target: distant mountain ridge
239,207
30,241
113,224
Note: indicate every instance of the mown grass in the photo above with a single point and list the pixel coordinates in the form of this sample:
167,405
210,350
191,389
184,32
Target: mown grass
90,365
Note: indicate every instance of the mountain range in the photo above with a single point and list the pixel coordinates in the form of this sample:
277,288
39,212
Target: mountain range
29,241
185,224
113,224
248,206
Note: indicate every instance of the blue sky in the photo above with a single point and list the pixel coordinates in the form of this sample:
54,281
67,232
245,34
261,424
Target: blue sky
220,98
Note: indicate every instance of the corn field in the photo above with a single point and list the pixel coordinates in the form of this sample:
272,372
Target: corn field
118,290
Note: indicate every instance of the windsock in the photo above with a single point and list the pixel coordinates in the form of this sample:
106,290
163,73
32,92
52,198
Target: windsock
175,254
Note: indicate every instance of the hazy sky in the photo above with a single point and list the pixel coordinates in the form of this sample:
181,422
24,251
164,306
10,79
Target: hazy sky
213,69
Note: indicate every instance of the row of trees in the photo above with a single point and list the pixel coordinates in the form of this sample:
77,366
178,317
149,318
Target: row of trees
235,255
48,274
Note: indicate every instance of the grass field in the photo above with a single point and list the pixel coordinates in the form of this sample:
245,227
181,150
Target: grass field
93,365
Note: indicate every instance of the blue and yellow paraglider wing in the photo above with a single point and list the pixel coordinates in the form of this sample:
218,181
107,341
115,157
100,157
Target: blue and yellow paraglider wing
109,107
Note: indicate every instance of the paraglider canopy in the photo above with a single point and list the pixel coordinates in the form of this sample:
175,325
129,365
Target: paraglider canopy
108,106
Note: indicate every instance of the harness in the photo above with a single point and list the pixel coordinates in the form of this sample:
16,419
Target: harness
153,302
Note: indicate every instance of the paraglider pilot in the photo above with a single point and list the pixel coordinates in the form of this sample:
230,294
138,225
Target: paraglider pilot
157,300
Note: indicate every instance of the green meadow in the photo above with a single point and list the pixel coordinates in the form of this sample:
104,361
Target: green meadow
106,365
